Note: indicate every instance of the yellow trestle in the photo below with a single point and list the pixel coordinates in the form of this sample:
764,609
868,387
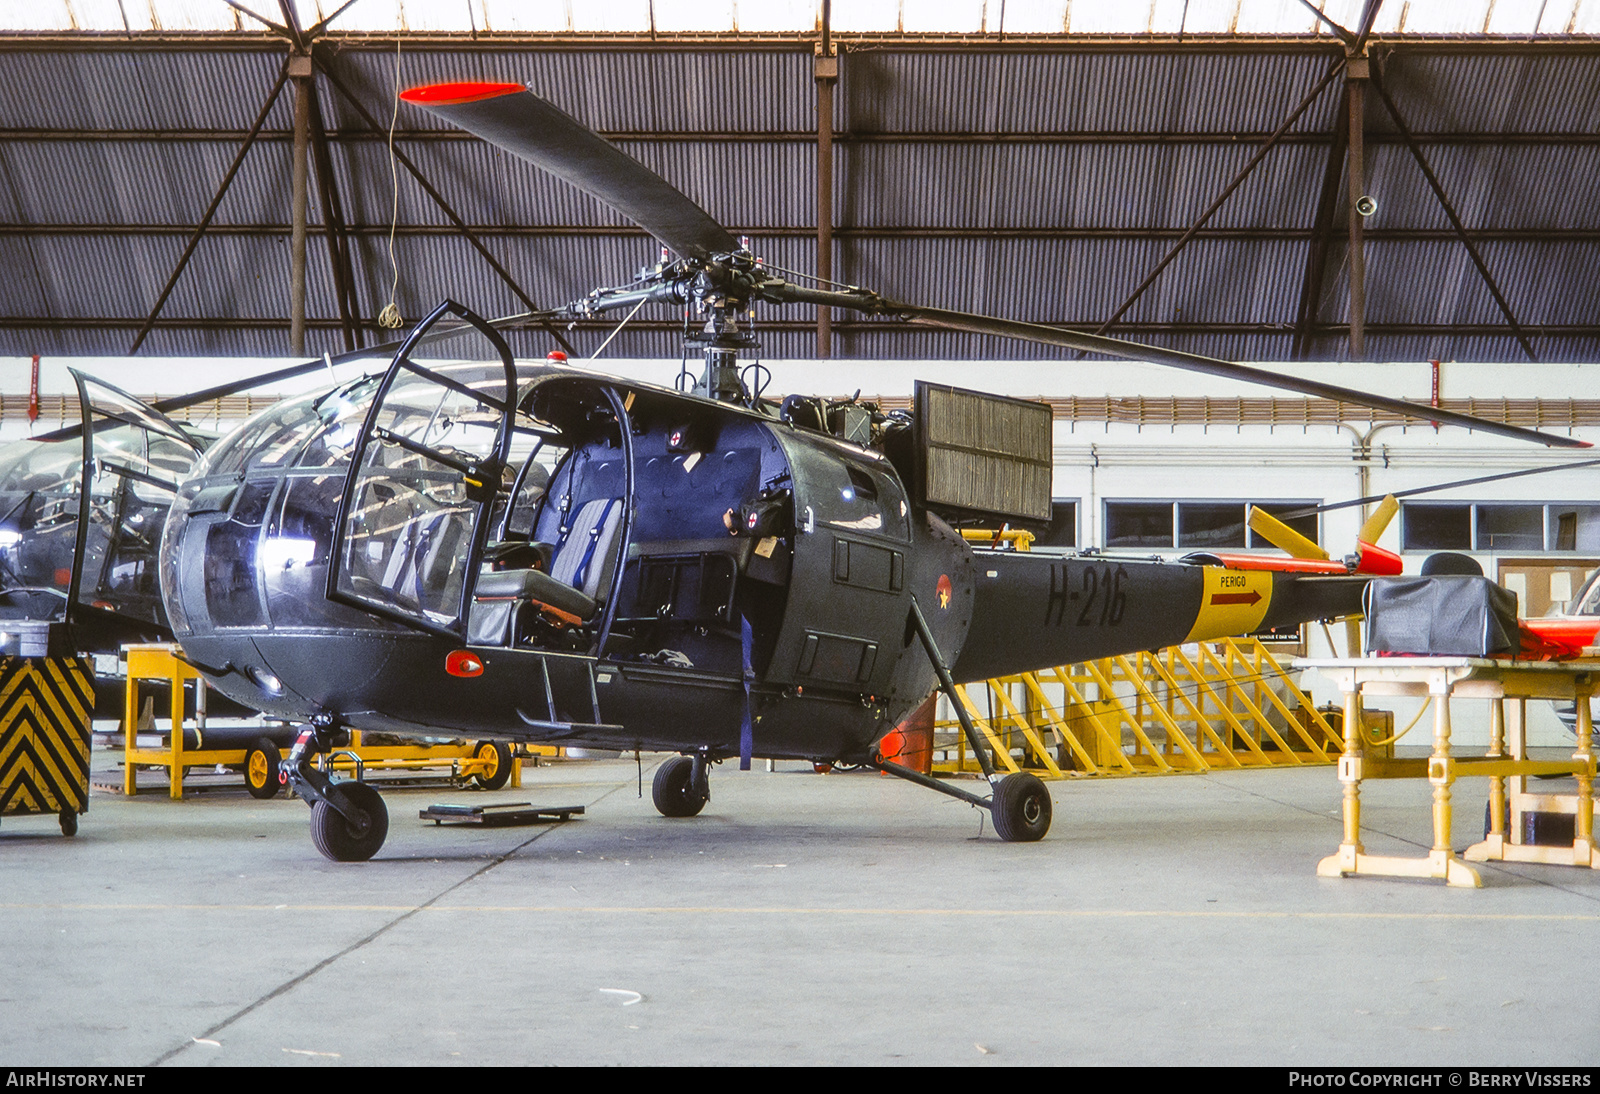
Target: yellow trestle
1197,707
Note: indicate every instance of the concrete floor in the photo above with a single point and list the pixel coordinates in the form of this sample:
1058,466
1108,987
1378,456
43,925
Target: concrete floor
802,919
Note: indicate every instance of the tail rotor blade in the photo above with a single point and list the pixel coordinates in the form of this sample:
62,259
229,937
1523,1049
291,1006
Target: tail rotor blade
1279,534
1379,520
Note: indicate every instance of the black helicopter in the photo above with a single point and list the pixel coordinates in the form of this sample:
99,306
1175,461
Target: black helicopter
468,545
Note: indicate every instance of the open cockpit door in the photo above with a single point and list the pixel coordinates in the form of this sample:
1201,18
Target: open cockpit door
424,475
133,459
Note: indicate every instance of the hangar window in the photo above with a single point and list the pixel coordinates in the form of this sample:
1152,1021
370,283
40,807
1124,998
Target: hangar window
1139,523
1499,526
1199,524
1434,527
1063,529
1510,528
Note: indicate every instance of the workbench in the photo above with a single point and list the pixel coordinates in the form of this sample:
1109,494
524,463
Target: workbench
1442,679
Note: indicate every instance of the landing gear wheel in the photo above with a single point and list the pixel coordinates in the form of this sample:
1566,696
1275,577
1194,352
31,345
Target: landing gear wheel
1021,808
69,823
261,769
673,790
342,841
497,764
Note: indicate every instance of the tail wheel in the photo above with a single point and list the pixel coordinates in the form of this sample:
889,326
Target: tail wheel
496,757
1021,809
343,841
674,791
261,769
69,822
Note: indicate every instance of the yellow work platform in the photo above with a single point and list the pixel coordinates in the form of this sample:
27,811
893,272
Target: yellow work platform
1204,706
1440,680
491,764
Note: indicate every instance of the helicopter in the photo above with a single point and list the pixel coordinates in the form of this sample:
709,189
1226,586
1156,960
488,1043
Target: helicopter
470,545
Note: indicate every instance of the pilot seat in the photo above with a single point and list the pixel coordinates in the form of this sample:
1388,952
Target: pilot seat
563,584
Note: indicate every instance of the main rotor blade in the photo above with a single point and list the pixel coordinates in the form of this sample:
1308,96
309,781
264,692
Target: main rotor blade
863,300
511,117
289,372
1436,487
1135,351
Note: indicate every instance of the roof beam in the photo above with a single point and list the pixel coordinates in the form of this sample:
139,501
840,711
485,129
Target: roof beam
1455,220
788,42
211,211
405,161
1586,138
939,232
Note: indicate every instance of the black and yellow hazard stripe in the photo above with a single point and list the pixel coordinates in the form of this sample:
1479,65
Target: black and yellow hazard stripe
46,704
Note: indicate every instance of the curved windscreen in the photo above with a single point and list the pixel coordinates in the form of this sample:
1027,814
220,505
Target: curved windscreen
135,459
39,485
428,466
258,514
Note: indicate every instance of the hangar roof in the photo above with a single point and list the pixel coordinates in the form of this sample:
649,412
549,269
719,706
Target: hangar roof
1034,164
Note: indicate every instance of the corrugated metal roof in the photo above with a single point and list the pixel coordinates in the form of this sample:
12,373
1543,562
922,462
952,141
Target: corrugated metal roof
1097,160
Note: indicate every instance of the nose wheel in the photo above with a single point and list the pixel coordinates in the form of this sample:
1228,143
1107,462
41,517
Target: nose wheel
342,838
349,821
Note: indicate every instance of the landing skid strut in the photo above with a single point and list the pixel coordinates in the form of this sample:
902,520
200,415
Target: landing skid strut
1019,803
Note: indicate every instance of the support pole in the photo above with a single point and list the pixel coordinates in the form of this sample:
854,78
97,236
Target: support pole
826,73
300,73
1322,229
1355,84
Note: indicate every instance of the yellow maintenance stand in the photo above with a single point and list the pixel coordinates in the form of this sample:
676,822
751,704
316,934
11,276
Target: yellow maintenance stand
1199,707
490,764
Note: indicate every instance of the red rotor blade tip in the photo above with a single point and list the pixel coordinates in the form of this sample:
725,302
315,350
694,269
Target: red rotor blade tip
451,94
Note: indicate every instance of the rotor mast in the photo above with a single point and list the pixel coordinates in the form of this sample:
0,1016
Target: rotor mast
721,289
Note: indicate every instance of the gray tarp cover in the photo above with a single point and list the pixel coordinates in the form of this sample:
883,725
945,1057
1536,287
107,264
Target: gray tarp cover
1445,615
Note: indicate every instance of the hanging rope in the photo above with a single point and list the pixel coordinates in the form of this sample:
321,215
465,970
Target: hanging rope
390,317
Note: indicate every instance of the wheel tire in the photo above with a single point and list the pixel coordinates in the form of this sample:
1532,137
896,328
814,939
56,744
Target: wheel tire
341,841
69,822
1021,808
498,770
673,790
261,769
